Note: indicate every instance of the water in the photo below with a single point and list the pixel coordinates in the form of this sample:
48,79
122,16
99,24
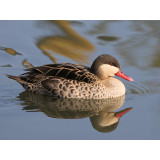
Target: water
135,44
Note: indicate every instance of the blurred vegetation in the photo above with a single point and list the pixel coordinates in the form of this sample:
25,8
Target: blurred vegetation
137,42
142,49
10,51
71,44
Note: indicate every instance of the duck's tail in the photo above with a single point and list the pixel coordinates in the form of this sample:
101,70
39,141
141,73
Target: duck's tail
16,78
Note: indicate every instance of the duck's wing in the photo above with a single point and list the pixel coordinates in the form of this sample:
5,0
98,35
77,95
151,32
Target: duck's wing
63,70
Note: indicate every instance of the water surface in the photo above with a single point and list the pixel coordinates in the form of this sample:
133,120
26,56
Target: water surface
135,44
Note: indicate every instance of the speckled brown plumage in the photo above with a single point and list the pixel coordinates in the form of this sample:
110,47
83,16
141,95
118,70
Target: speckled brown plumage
70,81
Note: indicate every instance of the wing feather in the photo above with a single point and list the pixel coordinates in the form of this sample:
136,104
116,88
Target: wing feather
63,70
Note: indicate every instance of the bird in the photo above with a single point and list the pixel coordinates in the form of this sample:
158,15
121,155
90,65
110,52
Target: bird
67,80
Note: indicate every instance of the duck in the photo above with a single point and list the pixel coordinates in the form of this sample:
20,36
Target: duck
67,80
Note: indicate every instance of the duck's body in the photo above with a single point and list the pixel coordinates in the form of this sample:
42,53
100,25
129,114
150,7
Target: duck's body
68,80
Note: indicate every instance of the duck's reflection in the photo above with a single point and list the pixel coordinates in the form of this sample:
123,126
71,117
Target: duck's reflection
101,112
106,121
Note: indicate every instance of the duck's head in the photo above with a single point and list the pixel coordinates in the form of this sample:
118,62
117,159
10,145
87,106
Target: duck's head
106,66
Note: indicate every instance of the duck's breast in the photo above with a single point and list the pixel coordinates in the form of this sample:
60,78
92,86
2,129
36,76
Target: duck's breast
113,87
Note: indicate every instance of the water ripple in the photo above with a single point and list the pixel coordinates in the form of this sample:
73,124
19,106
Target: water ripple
137,89
143,88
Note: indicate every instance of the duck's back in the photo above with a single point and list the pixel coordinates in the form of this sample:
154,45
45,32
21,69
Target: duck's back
64,70
61,80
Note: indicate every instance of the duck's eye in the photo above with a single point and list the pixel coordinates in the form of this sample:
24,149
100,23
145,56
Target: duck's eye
113,64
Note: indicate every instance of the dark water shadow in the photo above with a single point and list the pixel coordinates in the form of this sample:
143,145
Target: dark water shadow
101,112
108,38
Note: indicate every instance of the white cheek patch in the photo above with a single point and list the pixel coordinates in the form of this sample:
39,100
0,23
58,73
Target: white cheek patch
107,120
107,70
